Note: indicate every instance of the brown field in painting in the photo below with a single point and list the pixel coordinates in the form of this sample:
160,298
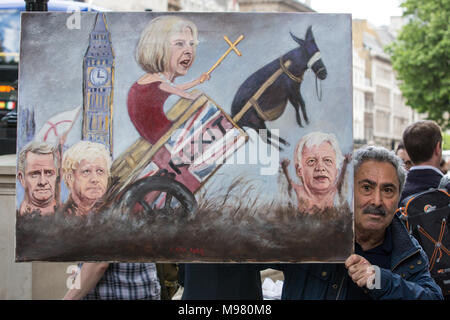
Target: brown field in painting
229,228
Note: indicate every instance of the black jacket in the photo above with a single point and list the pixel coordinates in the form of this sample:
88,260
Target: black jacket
211,281
408,278
419,180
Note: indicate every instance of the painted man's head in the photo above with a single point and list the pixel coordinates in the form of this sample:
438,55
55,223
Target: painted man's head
317,162
37,172
86,169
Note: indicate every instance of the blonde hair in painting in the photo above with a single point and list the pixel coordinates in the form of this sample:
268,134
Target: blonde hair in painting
83,150
153,49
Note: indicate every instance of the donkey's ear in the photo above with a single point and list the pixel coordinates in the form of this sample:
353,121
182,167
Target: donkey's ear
309,34
301,42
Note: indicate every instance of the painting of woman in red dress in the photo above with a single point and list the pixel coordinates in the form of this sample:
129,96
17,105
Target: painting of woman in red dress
166,50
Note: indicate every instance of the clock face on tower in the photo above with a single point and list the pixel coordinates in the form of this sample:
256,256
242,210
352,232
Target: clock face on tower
98,76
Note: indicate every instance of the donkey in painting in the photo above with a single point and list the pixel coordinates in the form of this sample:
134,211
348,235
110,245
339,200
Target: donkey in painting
264,94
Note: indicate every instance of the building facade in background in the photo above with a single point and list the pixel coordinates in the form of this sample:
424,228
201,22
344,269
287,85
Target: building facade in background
168,5
208,6
379,111
274,6
134,5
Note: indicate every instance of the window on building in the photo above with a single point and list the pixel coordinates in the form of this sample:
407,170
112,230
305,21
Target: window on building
382,96
368,126
400,124
384,74
398,101
368,101
382,123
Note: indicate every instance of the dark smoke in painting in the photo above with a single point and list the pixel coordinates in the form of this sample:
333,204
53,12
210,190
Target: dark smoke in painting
250,233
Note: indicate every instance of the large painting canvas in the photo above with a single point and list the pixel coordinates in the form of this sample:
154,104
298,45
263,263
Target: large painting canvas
184,137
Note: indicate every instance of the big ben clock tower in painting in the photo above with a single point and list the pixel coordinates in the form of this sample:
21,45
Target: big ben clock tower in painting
98,81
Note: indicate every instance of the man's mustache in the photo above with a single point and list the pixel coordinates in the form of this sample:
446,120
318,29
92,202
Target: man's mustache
374,210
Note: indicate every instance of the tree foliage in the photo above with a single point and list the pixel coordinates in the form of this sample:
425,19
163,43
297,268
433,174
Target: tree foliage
446,141
421,57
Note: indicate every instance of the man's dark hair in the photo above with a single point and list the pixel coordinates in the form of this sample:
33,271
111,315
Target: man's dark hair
380,154
420,139
400,147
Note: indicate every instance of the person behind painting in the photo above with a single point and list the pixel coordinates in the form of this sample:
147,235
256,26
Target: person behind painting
166,50
220,281
116,281
381,239
402,154
37,173
423,142
318,160
85,171
443,166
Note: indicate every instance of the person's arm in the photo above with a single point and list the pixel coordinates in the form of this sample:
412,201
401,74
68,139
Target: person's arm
90,274
392,286
284,165
340,182
174,90
416,284
418,287
180,89
186,86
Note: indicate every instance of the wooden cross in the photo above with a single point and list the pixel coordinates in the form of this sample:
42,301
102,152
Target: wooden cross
232,47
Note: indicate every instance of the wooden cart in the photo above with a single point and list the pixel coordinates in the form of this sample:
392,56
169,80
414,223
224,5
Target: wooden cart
148,177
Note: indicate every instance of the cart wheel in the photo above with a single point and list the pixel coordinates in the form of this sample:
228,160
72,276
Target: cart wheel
155,193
